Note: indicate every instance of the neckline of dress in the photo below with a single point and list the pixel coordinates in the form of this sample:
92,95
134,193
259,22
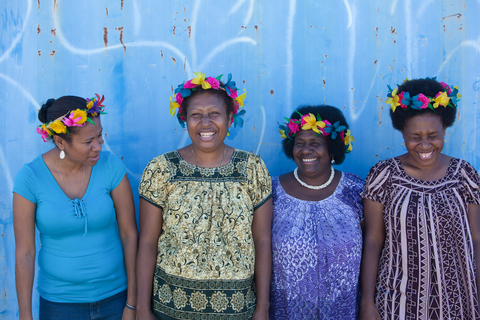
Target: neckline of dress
340,183
234,154
404,173
85,194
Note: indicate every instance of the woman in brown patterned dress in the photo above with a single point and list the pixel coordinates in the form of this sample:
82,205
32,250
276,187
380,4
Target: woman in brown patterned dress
422,217
205,217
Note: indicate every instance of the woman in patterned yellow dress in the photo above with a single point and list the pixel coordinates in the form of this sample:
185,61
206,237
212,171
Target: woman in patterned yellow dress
205,217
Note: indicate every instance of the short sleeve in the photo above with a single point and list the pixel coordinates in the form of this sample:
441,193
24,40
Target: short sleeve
117,169
471,183
377,185
25,184
351,195
155,181
259,181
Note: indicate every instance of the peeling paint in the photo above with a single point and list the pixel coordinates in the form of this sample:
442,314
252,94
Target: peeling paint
52,53
392,30
375,62
243,81
39,53
105,35
53,32
121,5
272,92
173,59
323,81
173,30
38,29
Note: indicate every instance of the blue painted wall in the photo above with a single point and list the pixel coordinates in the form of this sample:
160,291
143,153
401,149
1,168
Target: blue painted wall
285,53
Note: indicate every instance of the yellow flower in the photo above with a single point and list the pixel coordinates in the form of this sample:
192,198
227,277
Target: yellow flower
173,105
80,114
348,140
393,101
458,94
89,104
441,99
200,79
282,133
241,97
310,122
58,127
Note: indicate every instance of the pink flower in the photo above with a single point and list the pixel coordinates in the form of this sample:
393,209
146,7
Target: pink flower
294,127
183,118
179,98
327,124
233,93
424,100
445,86
189,85
43,132
71,121
400,99
214,83
235,107
231,120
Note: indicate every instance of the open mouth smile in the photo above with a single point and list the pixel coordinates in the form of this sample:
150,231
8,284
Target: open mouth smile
425,155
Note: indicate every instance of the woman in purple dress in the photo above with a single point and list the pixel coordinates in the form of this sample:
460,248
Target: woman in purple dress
317,213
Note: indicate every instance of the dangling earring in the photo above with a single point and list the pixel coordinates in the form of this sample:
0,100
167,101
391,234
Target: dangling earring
403,143
332,161
444,140
62,154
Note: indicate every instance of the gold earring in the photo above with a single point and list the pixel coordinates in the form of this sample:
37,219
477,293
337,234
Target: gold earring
403,143
444,140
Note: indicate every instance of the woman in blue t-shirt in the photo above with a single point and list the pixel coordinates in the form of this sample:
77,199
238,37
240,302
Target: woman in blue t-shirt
76,196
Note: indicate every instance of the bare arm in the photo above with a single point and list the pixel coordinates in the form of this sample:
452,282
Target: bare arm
374,237
262,237
151,220
474,219
24,228
127,227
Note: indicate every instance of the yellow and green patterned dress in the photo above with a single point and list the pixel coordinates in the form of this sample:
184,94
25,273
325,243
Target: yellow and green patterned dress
206,254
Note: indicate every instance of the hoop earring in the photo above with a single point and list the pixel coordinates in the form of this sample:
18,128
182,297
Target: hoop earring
62,154
332,161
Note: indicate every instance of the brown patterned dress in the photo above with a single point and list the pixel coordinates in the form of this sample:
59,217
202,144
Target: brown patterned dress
427,266
206,255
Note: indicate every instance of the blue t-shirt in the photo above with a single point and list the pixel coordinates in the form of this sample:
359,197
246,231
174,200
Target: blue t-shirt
81,257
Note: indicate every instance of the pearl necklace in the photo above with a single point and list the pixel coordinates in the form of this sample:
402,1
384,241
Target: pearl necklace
326,184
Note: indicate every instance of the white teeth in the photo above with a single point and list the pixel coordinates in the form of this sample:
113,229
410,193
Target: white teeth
309,160
425,155
207,134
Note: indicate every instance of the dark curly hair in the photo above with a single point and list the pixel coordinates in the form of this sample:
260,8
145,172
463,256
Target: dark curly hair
53,109
222,94
430,88
336,147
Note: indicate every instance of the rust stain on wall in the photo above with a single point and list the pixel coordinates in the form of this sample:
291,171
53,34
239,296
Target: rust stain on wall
38,29
458,15
39,53
106,9
53,32
52,53
189,28
272,92
105,35
161,53
121,5
173,59
392,30
243,81
173,30
375,62
38,4
323,80
185,64
121,39
54,5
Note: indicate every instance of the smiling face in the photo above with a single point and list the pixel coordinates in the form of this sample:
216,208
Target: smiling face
424,139
85,144
310,152
207,122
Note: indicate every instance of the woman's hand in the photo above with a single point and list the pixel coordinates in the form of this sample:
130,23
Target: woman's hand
146,315
128,314
368,311
260,314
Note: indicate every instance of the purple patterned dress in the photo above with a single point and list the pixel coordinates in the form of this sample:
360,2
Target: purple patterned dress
317,247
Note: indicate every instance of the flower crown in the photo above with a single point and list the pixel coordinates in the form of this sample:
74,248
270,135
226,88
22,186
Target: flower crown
186,88
289,129
74,118
447,97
